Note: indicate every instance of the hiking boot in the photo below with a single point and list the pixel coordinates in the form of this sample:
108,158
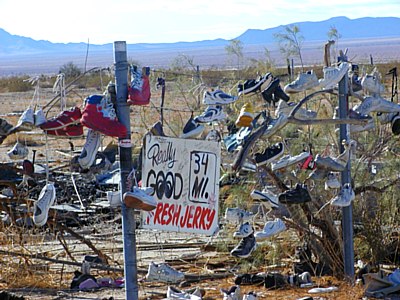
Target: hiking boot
271,228
345,196
332,75
246,115
270,154
211,114
299,194
5,127
245,247
70,131
163,273
244,231
232,294
99,115
191,129
139,199
41,207
139,90
267,198
65,118
217,97
287,161
89,151
19,151
304,81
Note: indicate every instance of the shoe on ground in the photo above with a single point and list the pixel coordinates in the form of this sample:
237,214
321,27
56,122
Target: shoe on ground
303,82
139,199
271,228
90,149
237,215
163,273
250,296
332,181
41,207
217,97
39,117
246,115
249,279
175,293
211,114
18,151
70,131
99,115
323,290
344,197
139,89
332,75
299,194
5,127
270,154
244,230
269,199
245,247
27,120
287,161
233,293
64,119
192,129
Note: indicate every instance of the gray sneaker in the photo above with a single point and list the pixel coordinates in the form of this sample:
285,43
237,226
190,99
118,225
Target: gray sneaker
376,104
5,127
245,247
345,196
301,113
304,81
163,273
328,163
89,151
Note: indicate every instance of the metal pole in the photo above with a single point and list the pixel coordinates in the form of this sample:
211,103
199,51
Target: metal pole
125,157
347,219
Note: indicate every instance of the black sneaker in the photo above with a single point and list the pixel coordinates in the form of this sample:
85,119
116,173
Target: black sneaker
192,129
267,93
297,195
279,94
269,154
252,85
245,247
249,279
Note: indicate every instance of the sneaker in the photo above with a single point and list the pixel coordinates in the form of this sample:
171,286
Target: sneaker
266,81
299,194
396,125
65,118
249,279
41,207
139,199
237,215
157,129
232,294
245,247
99,115
353,114
303,82
385,118
192,129
270,154
5,127
246,115
344,197
268,93
370,125
332,75
376,104
323,290
279,94
213,135
163,273
89,151
254,85
268,198
301,113
211,114
287,161
217,97
19,151
371,83
275,125
271,228
139,90
40,117
174,293
332,181
308,163
26,121
329,163
71,131
250,296
244,230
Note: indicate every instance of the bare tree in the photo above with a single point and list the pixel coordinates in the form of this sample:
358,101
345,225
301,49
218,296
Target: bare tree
290,42
235,48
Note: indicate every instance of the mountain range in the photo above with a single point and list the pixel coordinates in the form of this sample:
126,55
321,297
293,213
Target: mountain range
15,48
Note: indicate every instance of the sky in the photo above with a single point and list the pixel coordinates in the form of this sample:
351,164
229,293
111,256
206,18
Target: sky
169,21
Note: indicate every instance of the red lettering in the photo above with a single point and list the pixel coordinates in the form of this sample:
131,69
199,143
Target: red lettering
210,218
176,215
158,213
189,222
164,213
184,218
196,218
204,214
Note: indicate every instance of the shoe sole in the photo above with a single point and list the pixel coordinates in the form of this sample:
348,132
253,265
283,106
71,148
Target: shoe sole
194,133
133,202
60,126
247,255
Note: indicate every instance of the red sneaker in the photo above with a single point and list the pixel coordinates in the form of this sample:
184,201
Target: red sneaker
309,163
139,91
99,115
71,131
65,118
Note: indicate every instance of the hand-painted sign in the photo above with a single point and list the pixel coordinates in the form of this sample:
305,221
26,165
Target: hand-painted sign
185,176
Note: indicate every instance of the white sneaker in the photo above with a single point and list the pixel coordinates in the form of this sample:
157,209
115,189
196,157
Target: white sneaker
370,125
89,151
332,75
233,293
250,296
19,151
332,181
371,83
275,125
287,161
301,113
218,97
244,231
39,117
41,207
304,81
174,293
27,120
139,199
345,196
163,273
213,135
237,215
376,104
268,198
211,114
271,228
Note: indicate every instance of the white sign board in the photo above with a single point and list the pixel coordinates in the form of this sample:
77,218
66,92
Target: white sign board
185,176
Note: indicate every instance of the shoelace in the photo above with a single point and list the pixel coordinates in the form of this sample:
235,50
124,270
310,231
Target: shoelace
136,80
108,108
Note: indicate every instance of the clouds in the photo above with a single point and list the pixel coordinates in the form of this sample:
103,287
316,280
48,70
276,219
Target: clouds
153,21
